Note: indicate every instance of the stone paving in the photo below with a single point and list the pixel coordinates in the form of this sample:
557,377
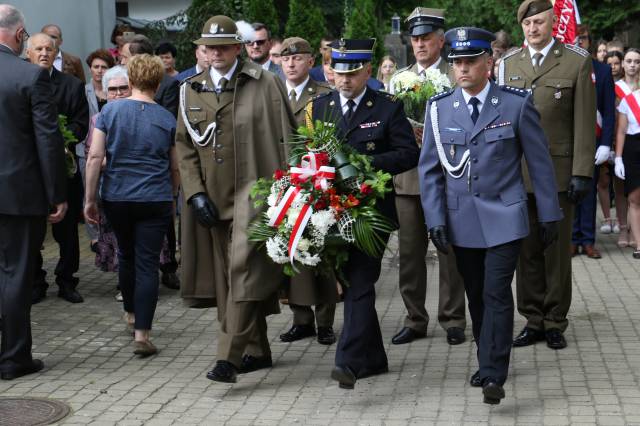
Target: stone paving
90,365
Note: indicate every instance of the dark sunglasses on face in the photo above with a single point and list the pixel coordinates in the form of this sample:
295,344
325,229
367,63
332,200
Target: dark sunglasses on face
116,89
257,42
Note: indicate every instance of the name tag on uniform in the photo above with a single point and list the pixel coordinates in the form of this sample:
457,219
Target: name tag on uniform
195,109
453,129
370,125
515,77
495,126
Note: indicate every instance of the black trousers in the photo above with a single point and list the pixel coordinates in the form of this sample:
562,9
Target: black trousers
360,346
487,275
140,229
20,240
65,233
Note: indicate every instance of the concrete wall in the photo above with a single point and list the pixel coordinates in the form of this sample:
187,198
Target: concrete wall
86,24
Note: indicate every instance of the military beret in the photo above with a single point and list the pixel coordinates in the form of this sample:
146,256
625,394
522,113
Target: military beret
532,7
295,46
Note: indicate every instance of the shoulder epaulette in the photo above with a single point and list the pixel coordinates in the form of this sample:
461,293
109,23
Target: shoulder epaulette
401,70
579,50
510,54
514,90
321,95
440,95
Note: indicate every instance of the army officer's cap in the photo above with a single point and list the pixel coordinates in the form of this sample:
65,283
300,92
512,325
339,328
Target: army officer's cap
424,20
295,46
349,55
219,30
468,41
532,7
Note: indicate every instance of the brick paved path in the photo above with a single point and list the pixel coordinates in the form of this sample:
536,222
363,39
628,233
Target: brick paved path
90,365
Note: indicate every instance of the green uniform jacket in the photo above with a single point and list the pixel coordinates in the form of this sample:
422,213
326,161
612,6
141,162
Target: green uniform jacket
565,96
407,183
262,121
311,90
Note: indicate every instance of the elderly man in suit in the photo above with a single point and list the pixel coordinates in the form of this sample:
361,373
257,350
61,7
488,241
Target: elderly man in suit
32,186
374,124
559,76
426,27
305,289
473,194
65,61
69,96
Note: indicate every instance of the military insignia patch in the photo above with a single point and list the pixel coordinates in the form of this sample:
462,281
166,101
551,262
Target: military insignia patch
369,104
371,146
462,34
213,29
343,45
557,95
252,72
494,100
456,104
332,103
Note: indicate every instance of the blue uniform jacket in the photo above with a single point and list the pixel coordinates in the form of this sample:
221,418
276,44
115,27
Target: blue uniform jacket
606,101
487,206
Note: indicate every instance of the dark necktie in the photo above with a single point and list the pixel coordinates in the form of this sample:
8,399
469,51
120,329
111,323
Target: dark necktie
222,85
292,95
537,57
476,112
351,107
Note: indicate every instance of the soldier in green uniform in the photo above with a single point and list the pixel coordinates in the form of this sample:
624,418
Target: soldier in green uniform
232,122
306,289
560,78
426,27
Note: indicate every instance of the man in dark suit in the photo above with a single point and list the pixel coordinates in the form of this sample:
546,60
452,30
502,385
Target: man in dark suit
584,221
202,63
64,61
258,49
71,101
374,124
473,192
32,186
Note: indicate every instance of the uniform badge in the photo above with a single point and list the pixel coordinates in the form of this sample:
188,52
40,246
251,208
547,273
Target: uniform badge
293,48
370,125
369,104
461,34
494,100
515,77
556,52
332,103
213,29
252,72
557,95
343,45
456,104
452,151
371,146
310,89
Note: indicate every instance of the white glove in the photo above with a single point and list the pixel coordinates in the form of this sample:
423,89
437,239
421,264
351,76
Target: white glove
619,168
602,154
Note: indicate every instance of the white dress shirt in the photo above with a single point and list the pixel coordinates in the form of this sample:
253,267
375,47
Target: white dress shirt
433,66
545,51
266,65
633,127
343,101
216,76
299,88
482,97
57,62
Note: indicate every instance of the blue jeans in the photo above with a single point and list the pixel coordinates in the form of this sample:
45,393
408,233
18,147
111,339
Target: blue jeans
140,229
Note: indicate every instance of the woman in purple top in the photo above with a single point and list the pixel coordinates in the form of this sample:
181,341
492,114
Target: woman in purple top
137,189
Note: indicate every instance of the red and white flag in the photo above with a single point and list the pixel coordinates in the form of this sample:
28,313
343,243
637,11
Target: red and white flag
566,26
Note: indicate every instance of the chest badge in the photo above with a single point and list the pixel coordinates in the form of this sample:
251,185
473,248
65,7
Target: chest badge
557,95
494,100
452,151
456,104
369,104
332,103
371,146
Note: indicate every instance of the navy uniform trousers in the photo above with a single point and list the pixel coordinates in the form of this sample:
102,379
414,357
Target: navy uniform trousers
487,275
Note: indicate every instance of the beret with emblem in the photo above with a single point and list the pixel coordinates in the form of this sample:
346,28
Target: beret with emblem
468,41
532,7
295,46
424,20
219,30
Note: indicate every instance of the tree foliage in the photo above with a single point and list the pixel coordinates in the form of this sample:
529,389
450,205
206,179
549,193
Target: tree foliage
307,21
363,23
262,11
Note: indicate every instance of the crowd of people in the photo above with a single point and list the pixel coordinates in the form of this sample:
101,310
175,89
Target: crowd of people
503,178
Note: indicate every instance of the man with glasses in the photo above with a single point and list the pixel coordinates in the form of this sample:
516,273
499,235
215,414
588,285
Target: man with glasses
32,187
258,49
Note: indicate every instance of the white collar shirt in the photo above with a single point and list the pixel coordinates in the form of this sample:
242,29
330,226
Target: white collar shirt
57,62
482,97
433,66
266,65
343,101
216,76
299,88
545,51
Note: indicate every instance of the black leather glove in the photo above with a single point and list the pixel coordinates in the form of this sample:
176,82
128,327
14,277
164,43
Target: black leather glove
548,233
579,187
439,237
206,212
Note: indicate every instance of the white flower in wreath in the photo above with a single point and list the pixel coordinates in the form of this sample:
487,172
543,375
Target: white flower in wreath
276,249
323,220
304,244
272,199
271,212
439,81
405,80
292,215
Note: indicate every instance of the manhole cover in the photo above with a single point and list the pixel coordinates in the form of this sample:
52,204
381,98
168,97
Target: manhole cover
31,411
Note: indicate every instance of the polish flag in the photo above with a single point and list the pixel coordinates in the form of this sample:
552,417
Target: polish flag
566,26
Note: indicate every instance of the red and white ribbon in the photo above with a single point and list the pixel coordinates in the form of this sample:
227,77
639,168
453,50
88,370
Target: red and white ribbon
298,230
311,166
292,194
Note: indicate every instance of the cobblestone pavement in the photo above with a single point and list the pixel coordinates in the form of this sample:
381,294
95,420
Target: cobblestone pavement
90,365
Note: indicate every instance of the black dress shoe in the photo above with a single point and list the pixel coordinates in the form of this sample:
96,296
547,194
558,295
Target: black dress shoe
345,377
69,293
528,336
455,336
224,372
38,295
555,339
407,335
33,367
252,363
326,336
475,380
492,392
298,332
171,280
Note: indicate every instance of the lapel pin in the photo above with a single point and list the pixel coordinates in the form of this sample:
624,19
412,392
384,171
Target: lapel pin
369,104
456,104
371,146
332,103
494,100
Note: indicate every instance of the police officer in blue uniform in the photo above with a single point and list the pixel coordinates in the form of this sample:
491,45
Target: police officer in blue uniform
373,123
473,193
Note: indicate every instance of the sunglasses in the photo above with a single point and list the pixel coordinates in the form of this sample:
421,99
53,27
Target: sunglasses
257,42
116,89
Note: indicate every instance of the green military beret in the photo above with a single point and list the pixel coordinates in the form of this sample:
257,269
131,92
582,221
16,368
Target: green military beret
295,46
532,7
